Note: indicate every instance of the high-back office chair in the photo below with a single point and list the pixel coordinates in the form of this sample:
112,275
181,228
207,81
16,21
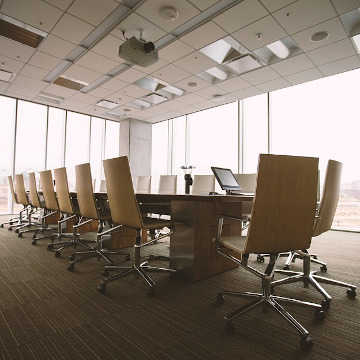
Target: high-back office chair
125,212
90,210
203,184
276,226
167,184
323,222
143,184
247,182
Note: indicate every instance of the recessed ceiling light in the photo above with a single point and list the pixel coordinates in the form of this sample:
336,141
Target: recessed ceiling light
6,75
169,13
319,36
107,104
192,84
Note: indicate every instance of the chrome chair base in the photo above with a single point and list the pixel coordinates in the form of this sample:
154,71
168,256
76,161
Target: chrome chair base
309,277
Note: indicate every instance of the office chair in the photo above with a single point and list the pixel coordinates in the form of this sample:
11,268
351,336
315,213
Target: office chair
203,184
125,212
90,210
323,222
143,184
274,228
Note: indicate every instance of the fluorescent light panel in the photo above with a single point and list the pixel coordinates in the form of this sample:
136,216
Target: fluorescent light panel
107,104
356,41
23,25
58,70
279,49
6,75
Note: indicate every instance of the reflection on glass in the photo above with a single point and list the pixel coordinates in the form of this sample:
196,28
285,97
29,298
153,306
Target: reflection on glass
7,131
56,138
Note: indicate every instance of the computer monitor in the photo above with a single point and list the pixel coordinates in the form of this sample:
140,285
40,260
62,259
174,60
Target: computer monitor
226,179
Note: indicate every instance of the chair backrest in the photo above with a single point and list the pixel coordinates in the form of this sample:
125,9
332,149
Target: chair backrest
143,184
33,194
167,184
284,206
247,182
330,198
20,190
11,185
62,191
203,184
85,192
47,187
122,201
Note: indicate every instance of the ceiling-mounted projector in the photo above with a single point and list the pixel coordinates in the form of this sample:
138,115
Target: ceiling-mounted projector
138,52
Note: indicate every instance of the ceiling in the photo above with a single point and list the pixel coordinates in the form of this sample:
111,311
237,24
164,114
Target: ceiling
253,24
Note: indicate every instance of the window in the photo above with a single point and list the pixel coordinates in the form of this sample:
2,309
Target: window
112,139
7,132
77,143
97,147
255,131
213,138
179,152
56,138
320,118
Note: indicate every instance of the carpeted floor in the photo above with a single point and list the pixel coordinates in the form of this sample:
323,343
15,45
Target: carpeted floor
47,312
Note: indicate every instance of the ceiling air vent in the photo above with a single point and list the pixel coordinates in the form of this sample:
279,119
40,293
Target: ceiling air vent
54,99
107,104
70,83
20,32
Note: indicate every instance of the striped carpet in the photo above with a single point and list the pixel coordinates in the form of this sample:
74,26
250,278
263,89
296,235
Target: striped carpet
47,312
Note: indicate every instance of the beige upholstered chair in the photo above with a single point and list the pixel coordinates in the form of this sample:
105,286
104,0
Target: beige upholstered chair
323,222
203,184
167,184
274,228
125,212
90,209
247,182
143,184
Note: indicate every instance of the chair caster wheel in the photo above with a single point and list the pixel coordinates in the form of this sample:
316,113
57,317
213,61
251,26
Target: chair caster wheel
320,314
71,267
33,242
323,268
72,257
101,288
151,291
57,254
229,327
260,259
17,231
105,273
306,343
20,235
325,304
286,267
219,299
351,293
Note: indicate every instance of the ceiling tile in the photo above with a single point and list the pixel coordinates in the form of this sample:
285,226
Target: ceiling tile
26,85
130,75
175,51
150,10
119,97
303,14
340,66
135,23
80,73
100,92
203,4
10,64
170,74
44,61
189,99
273,5
209,92
60,91
83,99
150,69
3,86
72,29
274,85
304,76
233,84
293,65
203,35
332,52
195,63
260,76
195,82
61,4
248,92
55,46
333,27
114,84
92,11
15,50
33,72
134,91
241,15
344,6
33,12
268,28
109,47
96,62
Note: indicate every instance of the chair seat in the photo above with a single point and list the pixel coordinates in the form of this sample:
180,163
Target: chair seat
153,223
234,243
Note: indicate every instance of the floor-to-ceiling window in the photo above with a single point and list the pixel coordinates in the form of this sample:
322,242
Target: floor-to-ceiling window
7,132
97,147
112,139
179,152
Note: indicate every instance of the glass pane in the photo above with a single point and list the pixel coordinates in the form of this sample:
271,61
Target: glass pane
97,147
77,143
320,118
56,138
159,153
112,139
255,128
214,138
179,149
7,131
